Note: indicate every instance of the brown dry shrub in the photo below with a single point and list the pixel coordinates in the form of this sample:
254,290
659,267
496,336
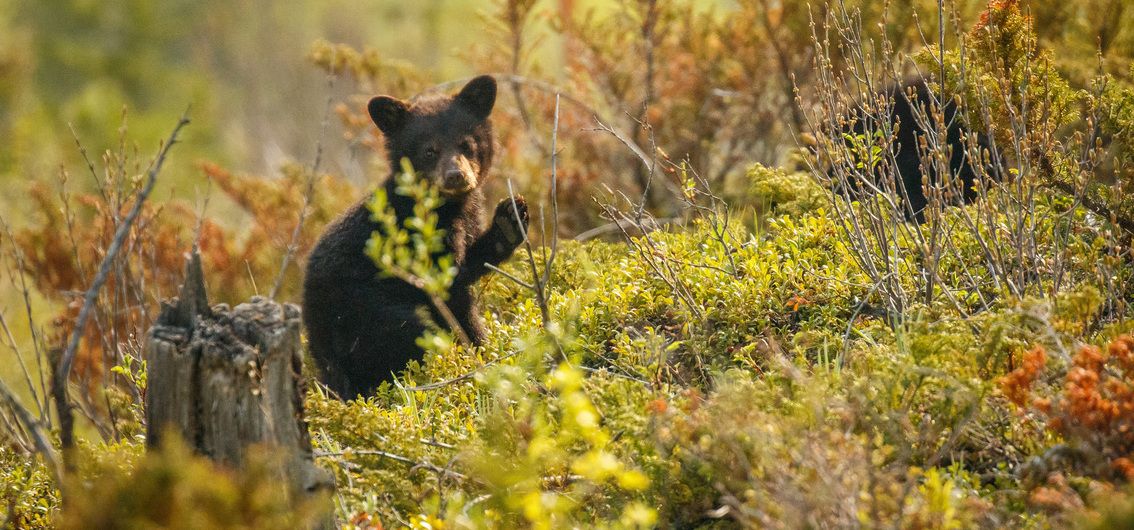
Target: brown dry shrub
60,251
1091,407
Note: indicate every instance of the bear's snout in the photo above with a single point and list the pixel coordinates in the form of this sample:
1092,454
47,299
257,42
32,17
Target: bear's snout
459,176
454,181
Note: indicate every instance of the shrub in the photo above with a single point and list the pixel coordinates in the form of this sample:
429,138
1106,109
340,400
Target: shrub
1095,410
828,365
172,488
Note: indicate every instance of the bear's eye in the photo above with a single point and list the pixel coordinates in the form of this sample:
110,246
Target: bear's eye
430,153
467,146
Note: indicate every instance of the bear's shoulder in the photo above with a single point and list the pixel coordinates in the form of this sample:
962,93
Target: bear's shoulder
342,248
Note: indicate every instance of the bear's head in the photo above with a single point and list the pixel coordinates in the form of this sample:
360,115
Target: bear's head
447,139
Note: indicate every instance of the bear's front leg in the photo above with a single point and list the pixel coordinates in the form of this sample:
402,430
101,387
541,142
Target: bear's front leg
498,243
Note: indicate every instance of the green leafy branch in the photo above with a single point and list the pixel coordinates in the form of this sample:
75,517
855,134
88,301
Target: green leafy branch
414,251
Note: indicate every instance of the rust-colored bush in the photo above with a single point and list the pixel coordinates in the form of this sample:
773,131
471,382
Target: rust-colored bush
60,252
1094,410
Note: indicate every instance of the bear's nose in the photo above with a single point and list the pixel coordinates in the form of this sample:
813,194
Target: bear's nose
454,180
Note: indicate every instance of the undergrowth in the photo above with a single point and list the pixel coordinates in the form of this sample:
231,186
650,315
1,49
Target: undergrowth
796,359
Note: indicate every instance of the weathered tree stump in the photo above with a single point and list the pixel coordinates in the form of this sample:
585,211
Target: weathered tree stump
227,379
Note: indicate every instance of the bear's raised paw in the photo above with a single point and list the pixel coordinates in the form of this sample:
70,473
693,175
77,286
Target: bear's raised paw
505,219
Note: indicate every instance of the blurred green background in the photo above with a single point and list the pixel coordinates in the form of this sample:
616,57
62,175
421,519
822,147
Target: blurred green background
242,65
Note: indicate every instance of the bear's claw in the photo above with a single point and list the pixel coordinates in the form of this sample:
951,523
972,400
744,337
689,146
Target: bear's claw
506,219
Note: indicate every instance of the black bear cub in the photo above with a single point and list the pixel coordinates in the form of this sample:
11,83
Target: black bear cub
911,98
362,327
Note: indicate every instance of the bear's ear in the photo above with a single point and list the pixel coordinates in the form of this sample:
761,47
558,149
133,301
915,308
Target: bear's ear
388,113
478,96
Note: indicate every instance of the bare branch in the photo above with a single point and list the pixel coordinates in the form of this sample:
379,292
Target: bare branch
509,275
39,437
308,194
554,196
459,378
67,359
395,457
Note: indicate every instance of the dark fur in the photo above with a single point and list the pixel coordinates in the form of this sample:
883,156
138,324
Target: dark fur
905,148
360,327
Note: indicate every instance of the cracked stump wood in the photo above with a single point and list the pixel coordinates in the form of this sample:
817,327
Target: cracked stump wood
230,378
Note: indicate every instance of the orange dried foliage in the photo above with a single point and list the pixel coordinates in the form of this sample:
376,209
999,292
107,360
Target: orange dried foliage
714,89
1017,385
1096,406
62,255
996,12
274,206
62,251
1055,496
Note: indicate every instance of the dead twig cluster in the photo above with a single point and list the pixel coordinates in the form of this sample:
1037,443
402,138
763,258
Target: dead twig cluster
1002,246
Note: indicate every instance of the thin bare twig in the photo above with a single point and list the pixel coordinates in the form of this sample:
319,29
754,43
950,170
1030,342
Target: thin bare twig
90,165
67,359
509,275
554,195
36,338
308,194
463,377
39,437
539,282
23,365
537,279
392,456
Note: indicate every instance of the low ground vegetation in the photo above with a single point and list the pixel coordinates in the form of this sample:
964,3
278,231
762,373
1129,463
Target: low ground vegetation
764,352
